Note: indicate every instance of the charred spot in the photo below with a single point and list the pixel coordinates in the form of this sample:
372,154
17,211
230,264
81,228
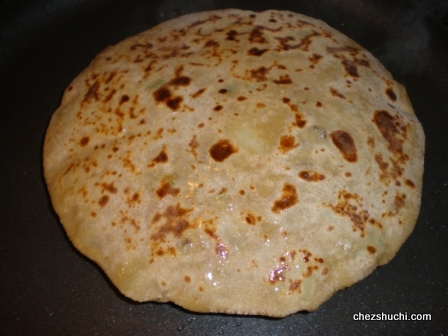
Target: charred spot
197,93
174,103
124,99
303,44
350,205
318,104
222,150
259,74
283,80
109,187
84,141
311,176
256,35
162,94
392,130
111,76
250,219
241,98
288,198
218,108
166,189
309,271
211,44
180,81
287,142
335,93
409,183
295,286
162,157
92,93
349,59
256,52
141,45
346,145
110,95
103,200
299,121
306,255
223,91
175,222
399,202
231,35
371,249
391,94
187,279
315,58
350,68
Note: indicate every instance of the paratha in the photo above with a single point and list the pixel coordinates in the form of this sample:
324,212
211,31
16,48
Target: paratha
236,162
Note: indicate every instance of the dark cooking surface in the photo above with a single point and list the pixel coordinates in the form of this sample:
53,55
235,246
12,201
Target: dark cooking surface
48,288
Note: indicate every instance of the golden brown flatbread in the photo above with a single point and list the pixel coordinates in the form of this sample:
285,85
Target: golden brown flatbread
236,162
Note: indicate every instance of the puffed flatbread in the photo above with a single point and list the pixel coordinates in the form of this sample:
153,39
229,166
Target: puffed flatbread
236,162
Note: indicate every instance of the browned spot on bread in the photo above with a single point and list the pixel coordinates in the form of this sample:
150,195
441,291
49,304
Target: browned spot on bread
311,176
165,189
256,35
306,255
346,145
283,80
256,52
288,198
309,271
222,150
109,187
84,141
259,74
391,94
335,93
176,222
198,93
251,219
92,93
299,119
350,58
350,205
409,183
103,200
371,249
287,142
187,279
162,157
393,130
294,286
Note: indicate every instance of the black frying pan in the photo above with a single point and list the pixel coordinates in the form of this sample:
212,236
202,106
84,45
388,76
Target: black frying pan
48,288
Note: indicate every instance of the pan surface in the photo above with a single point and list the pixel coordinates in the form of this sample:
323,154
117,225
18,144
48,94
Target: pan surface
48,288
